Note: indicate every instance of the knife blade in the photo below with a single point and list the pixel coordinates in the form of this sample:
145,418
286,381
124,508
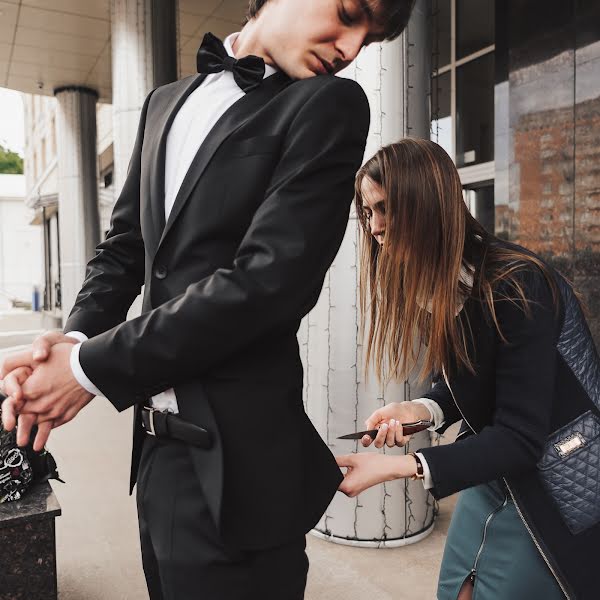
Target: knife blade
407,429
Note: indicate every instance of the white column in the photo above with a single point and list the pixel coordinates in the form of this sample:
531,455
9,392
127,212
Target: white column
338,398
144,56
77,187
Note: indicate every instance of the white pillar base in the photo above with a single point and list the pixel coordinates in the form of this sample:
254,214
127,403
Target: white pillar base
387,543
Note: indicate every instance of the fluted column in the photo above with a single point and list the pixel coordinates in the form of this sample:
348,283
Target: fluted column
144,56
77,187
337,395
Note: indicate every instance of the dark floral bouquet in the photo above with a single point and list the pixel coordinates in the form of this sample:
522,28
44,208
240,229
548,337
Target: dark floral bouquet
20,467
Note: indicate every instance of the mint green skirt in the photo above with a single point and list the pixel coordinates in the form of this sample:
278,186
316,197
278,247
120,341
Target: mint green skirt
488,541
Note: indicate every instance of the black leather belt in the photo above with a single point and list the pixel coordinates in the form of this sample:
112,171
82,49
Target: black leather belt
170,426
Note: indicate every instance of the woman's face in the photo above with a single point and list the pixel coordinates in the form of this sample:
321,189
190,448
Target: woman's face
374,208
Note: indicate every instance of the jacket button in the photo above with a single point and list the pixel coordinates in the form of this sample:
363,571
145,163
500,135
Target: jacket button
160,272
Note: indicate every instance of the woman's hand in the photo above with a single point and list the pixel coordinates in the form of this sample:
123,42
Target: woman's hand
389,419
369,469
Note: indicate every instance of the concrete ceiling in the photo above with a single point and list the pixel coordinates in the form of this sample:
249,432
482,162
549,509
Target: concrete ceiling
45,44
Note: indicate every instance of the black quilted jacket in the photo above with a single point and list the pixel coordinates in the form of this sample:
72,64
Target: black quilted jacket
531,417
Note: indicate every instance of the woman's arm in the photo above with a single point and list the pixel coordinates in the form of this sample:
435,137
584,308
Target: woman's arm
440,394
525,378
514,441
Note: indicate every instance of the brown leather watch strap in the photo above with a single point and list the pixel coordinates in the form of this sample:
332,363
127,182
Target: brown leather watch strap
420,474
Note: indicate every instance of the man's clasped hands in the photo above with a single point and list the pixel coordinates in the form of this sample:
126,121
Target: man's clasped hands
40,388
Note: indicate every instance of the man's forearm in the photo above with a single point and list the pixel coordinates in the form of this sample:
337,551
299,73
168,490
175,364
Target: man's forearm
79,373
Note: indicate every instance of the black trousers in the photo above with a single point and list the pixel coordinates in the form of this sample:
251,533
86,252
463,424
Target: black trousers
182,553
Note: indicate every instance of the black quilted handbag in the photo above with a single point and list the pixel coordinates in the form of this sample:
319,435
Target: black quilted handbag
21,467
570,467
570,471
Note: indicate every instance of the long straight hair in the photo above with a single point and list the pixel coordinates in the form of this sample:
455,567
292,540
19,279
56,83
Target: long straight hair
411,286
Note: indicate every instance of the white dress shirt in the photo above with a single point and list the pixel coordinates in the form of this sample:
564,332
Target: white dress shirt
194,121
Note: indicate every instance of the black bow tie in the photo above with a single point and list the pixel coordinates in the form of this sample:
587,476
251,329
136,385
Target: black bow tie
212,57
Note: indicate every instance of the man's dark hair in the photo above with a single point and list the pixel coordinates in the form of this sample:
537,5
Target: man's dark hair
393,15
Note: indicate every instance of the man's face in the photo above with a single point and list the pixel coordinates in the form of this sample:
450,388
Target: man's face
305,38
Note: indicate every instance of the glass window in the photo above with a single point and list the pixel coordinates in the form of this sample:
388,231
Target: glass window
441,123
441,33
474,26
475,111
480,201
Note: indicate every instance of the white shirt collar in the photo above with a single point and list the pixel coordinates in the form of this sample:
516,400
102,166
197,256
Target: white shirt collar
228,43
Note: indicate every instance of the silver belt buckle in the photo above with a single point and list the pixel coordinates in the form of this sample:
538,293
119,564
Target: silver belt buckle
151,419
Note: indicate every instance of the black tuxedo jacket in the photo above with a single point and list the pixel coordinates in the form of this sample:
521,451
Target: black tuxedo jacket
256,224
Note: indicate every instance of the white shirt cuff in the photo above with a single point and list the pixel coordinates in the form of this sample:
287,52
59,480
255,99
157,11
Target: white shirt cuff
78,335
427,481
436,413
79,374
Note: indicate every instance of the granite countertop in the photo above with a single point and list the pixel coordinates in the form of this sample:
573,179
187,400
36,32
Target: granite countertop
39,502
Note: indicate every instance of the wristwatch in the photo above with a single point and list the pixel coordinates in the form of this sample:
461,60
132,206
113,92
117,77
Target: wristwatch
420,474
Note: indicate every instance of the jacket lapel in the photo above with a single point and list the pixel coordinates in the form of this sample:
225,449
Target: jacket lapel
234,118
156,174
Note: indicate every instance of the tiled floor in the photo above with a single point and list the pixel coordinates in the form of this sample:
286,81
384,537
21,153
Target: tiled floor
345,573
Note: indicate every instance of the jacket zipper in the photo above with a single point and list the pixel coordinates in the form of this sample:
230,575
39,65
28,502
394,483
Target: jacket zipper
485,528
535,541
537,545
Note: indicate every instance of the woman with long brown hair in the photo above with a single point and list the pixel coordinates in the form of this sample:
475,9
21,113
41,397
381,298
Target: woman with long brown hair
513,358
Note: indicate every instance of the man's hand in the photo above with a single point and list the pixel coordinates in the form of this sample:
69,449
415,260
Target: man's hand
14,370
50,394
39,352
12,406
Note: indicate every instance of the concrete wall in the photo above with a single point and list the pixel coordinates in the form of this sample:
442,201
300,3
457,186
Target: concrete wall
21,257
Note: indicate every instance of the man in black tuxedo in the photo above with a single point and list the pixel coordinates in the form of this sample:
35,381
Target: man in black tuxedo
235,204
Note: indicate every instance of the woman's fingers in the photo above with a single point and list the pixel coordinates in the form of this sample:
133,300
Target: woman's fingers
347,460
390,439
401,439
389,434
381,436
374,420
395,435
404,440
